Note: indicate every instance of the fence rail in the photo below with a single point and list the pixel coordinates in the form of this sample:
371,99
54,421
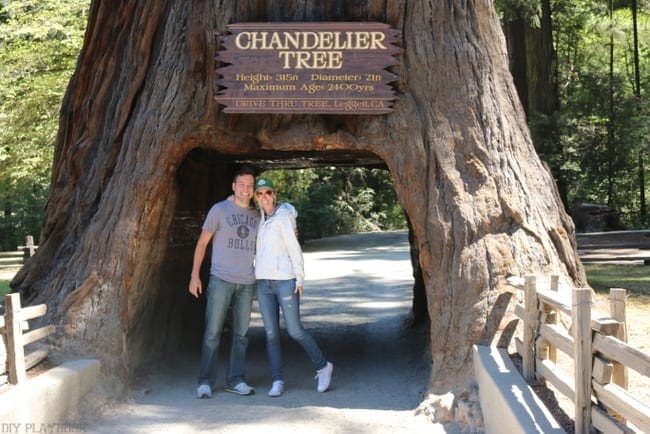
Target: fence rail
13,331
597,347
18,257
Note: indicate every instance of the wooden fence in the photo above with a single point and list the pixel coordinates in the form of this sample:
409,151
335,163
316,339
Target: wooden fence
597,347
13,324
17,258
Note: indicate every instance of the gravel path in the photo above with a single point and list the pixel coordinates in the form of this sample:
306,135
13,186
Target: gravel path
357,296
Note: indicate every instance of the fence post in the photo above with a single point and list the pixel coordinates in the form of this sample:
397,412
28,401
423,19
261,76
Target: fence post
15,348
29,249
551,317
530,327
617,298
582,344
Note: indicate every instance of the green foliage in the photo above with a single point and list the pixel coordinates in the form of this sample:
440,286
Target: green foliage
334,200
39,44
529,10
603,125
4,287
596,144
4,15
591,145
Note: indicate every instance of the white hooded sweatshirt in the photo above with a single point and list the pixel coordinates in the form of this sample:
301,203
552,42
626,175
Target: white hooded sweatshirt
278,255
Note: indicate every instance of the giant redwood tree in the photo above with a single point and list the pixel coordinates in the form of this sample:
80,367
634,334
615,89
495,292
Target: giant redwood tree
143,150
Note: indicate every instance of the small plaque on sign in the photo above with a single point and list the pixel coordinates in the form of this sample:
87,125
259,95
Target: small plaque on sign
321,68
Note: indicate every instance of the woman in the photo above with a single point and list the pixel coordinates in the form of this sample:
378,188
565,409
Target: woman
279,272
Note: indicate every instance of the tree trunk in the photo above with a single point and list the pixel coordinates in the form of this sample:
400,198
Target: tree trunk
143,151
643,208
533,63
542,65
518,57
611,109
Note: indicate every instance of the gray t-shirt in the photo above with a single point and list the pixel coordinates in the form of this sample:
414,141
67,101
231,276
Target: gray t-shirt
234,230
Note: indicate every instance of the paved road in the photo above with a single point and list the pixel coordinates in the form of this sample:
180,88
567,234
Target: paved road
357,296
624,247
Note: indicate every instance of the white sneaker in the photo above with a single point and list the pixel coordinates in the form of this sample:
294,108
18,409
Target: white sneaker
277,388
203,391
241,389
324,377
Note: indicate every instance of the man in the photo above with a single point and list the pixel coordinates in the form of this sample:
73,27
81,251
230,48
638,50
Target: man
232,227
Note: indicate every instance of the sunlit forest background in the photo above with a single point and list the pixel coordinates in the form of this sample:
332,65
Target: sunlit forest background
581,68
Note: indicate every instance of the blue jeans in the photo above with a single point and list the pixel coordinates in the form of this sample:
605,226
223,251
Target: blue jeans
220,294
271,295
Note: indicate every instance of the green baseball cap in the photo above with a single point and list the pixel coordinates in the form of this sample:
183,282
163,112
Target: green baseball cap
264,183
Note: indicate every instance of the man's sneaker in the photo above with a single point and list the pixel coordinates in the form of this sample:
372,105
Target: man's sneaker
324,377
203,391
241,389
277,388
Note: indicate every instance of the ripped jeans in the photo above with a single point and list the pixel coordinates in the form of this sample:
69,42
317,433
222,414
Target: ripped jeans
271,296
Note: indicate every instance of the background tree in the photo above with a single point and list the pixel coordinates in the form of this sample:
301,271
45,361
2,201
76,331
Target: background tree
593,146
600,131
643,212
338,200
40,42
528,26
39,45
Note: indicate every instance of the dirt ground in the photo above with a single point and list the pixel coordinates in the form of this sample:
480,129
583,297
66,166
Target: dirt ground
357,296
356,300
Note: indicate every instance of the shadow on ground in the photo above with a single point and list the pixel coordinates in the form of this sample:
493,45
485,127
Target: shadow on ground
358,294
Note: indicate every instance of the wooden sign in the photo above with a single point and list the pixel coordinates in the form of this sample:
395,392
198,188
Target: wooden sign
335,68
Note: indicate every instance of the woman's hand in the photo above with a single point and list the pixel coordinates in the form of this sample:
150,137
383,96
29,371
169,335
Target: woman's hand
298,291
195,286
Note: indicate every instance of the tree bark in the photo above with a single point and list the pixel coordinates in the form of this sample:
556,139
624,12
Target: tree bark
143,151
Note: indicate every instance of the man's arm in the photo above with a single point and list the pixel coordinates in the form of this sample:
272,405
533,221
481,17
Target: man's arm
199,253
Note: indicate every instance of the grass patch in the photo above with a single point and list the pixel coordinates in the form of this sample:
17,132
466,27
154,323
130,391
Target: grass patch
4,287
634,278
